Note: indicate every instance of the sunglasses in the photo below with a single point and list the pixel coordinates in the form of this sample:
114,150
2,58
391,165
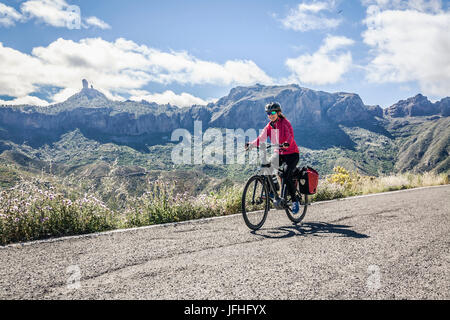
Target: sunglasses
271,113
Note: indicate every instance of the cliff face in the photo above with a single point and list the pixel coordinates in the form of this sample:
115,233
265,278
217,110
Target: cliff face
102,120
89,110
244,107
321,120
418,106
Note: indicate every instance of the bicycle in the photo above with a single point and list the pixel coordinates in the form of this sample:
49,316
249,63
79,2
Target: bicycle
257,200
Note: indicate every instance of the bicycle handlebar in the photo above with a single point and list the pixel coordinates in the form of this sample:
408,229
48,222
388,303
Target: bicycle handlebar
282,146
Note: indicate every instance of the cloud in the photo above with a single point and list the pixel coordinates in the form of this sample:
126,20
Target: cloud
64,94
18,72
410,42
8,15
96,22
326,66
310,16
115,67
181,67
430,6
182,100
56,13
31,100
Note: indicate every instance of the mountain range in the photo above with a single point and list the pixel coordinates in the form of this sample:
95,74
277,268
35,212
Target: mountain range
330,128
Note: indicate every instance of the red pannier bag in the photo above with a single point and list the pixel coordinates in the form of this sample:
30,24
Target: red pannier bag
308,179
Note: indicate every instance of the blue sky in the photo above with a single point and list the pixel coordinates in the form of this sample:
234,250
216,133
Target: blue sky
186,52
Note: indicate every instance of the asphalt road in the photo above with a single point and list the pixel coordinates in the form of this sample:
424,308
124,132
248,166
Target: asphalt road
388,246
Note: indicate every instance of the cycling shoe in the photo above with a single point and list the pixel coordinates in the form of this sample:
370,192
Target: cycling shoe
295,207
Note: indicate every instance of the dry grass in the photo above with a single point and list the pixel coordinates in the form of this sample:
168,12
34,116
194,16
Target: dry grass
39,208
344,183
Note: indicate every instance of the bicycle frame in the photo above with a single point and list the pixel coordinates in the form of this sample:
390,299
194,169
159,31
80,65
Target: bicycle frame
267,178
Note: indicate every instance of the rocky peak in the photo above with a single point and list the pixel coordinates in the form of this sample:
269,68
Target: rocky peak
375,111
88,94
348,107
244,106
415,106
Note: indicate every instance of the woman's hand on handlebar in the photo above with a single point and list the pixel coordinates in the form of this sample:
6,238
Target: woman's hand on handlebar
285,145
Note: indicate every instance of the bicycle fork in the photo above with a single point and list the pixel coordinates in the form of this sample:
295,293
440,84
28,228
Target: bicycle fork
259,201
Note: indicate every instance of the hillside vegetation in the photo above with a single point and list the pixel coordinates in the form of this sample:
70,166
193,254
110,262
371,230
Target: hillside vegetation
424,145
43,206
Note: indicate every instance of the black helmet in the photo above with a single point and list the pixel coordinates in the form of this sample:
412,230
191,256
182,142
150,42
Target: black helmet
273,106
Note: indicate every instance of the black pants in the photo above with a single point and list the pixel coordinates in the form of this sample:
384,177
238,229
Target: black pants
291,161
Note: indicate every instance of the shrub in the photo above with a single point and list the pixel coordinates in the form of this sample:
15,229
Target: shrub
162,205
28,212
36,209
327,190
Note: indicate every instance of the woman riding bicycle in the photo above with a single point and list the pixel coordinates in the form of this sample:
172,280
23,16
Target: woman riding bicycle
283,135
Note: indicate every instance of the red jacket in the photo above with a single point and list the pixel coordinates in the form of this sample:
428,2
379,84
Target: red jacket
285,134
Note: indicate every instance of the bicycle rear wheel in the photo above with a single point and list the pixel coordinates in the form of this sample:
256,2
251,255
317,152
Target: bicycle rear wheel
304,202
255,202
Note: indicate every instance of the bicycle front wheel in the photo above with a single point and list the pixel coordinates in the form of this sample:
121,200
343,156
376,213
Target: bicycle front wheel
255,203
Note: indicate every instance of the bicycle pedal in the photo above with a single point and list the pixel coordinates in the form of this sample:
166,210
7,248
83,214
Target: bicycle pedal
279,204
